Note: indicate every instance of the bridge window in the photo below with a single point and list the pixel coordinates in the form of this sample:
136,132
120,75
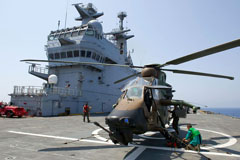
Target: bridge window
83,53
50,56
76,53
94,55
103,60
81,32
61,35
75,33
56,36
89,54
69,54
97,57
68,34
57,55
63,55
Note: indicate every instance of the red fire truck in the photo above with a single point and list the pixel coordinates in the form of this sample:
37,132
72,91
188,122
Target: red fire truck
11,111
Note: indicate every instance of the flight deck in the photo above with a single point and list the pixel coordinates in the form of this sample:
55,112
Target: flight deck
68,137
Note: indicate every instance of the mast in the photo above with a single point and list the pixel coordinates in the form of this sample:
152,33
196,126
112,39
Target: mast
121,16
121,37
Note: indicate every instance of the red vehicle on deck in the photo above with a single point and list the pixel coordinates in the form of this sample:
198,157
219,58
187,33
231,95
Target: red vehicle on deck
11,111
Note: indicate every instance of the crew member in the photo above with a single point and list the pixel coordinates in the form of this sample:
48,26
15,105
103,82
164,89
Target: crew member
194,138
86,109
175,119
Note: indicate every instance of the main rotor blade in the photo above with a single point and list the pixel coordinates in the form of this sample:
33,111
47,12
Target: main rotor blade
206,52
125,78
198,73
81,63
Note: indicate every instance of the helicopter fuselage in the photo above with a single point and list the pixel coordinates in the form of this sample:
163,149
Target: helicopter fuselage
138,110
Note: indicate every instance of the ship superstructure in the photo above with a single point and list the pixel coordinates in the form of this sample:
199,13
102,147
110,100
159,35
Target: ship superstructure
79,84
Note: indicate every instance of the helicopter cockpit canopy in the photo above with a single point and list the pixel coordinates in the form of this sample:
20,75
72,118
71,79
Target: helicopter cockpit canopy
134,88
134,92
139,81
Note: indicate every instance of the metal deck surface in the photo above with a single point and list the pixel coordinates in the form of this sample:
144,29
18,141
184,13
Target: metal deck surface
42,138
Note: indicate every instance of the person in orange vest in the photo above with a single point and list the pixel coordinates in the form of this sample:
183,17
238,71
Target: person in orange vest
86,110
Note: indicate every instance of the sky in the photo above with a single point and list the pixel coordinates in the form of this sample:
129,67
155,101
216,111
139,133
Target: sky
163,29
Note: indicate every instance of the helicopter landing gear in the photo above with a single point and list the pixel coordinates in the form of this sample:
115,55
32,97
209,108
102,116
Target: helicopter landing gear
123,136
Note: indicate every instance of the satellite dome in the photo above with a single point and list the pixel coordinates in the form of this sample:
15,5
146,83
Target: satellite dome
96,26
52,79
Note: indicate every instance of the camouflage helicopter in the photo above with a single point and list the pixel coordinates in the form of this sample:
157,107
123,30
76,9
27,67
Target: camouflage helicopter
143,105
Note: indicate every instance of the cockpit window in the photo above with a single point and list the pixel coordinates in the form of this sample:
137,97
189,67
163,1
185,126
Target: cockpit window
134,92
139,81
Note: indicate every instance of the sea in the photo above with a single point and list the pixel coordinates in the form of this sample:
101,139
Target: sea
234,112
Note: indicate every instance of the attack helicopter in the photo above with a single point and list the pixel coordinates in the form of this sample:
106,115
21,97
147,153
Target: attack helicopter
145,100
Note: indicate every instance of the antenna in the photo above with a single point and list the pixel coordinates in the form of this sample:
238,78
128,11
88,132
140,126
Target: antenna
66,15
58,24
121,16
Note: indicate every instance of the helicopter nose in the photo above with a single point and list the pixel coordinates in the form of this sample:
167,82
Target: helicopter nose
120,121
126,118
123,123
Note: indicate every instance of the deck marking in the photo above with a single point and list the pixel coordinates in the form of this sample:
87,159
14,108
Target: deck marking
141,148
231,141
45,136
95,134
135,154
183,150
148,135
58,137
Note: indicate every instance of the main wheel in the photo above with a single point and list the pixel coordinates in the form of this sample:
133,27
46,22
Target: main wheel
9,114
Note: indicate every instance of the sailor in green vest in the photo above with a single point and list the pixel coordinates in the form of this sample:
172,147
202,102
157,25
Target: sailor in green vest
194,138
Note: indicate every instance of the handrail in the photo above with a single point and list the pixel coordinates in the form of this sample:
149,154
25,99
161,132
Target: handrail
40,91
33,68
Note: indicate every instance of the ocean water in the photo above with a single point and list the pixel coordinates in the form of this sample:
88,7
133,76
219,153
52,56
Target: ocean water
234,112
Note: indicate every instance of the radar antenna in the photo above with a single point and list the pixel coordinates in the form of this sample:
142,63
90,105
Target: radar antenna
121,16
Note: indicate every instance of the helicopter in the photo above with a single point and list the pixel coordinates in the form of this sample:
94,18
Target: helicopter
145,100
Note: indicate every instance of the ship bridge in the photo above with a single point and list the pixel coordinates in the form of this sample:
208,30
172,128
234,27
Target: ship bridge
78,84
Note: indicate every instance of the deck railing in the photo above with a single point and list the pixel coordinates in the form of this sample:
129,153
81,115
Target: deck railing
33,68
39,91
